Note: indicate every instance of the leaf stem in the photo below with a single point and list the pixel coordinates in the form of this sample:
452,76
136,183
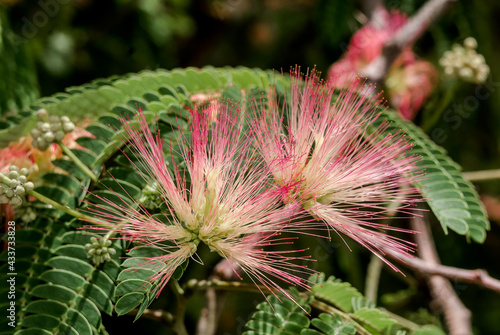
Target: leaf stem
77,161
58,206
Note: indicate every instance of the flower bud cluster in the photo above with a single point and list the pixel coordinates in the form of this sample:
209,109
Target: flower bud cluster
464,62
51,129
26,214
150,197
14,185
99,250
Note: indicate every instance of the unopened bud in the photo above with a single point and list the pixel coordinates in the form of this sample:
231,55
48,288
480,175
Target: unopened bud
470,43
59,135
68,127
29,186
15,201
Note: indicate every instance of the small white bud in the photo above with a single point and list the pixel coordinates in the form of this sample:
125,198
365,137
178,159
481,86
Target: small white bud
68,127
470,43
45,127
42,113
24,171
49,137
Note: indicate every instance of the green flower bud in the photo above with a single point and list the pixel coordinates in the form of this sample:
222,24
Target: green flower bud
13,183
49,137
20,190
64,118
9,193
13,174
59,135
53,119
24,171
55,126
4,199
42,145
29,186
13,168
15,201
22,178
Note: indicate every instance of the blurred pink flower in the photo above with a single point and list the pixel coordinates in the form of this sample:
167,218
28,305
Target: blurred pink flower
322,153
409,81
223,200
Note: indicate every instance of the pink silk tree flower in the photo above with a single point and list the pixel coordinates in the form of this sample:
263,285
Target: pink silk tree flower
224,200
320,150
409,81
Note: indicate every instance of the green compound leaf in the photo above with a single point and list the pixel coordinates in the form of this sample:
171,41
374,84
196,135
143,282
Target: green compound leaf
451,197
279,315
337,293
330,325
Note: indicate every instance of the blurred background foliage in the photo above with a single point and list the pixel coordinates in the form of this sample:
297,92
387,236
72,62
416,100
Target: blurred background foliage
61,43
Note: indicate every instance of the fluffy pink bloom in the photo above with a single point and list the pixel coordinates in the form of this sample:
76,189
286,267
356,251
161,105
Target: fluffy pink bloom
409,81
223,200
323,153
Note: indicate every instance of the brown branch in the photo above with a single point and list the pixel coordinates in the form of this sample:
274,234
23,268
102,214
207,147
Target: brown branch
376,71
207,324
478,276
456,315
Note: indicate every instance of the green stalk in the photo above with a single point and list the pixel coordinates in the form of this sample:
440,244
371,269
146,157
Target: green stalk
77,161
58,206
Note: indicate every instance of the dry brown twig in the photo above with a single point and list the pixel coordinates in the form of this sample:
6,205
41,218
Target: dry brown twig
376,71
456,315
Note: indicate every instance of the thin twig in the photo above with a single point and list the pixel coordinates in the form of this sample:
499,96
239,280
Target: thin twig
456,315
376,71
478,276
482,175
224,271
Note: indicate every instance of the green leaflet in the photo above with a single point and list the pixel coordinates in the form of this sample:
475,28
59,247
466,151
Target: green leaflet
135,288
279,315
452,199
